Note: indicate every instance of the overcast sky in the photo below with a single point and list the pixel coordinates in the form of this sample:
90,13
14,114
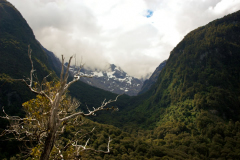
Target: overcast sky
136,35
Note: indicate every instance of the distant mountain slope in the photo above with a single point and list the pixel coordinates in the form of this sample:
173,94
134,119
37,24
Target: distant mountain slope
153,79
54,62
194,107
15,36
202,73
112,79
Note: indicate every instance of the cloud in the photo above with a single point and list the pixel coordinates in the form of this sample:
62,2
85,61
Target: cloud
136,35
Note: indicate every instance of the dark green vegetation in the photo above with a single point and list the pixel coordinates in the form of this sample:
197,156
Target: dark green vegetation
171,140
16,35
202,73
191,112
196,96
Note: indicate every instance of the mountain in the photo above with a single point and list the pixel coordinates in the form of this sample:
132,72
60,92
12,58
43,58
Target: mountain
201,74
15,37
203,70
193,109
153,78
53,61
190,112
112,79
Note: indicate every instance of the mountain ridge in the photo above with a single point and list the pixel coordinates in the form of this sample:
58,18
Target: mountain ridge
203,69
15,37
111,78
201,74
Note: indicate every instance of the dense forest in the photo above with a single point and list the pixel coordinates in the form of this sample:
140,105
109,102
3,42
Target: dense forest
191,112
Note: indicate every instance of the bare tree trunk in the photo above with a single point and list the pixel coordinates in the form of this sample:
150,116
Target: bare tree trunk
53,126
49,142
56,117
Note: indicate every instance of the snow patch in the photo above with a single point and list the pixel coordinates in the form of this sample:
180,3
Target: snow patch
130,80
110,74
97,74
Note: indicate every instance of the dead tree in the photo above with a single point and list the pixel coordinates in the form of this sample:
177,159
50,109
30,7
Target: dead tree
50,121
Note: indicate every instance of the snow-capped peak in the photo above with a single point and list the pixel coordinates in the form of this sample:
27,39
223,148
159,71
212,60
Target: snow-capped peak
112,78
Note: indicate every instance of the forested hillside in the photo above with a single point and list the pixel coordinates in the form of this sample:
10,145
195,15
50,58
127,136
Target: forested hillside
202,73
194,106
15,37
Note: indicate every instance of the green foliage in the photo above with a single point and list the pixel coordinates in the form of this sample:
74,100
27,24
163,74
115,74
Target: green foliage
193,109
168,141
202,73
16,35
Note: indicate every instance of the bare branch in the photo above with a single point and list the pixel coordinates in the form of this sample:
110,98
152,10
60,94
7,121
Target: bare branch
30,85
104,104
62,130
77,76
62,71
20,129
59,152
42,93
44,81
66,74
45,119
32,70
73,140
84,148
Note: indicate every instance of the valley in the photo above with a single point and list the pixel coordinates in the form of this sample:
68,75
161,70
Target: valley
188,108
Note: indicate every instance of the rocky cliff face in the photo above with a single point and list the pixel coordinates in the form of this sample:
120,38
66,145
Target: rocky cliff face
112,79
